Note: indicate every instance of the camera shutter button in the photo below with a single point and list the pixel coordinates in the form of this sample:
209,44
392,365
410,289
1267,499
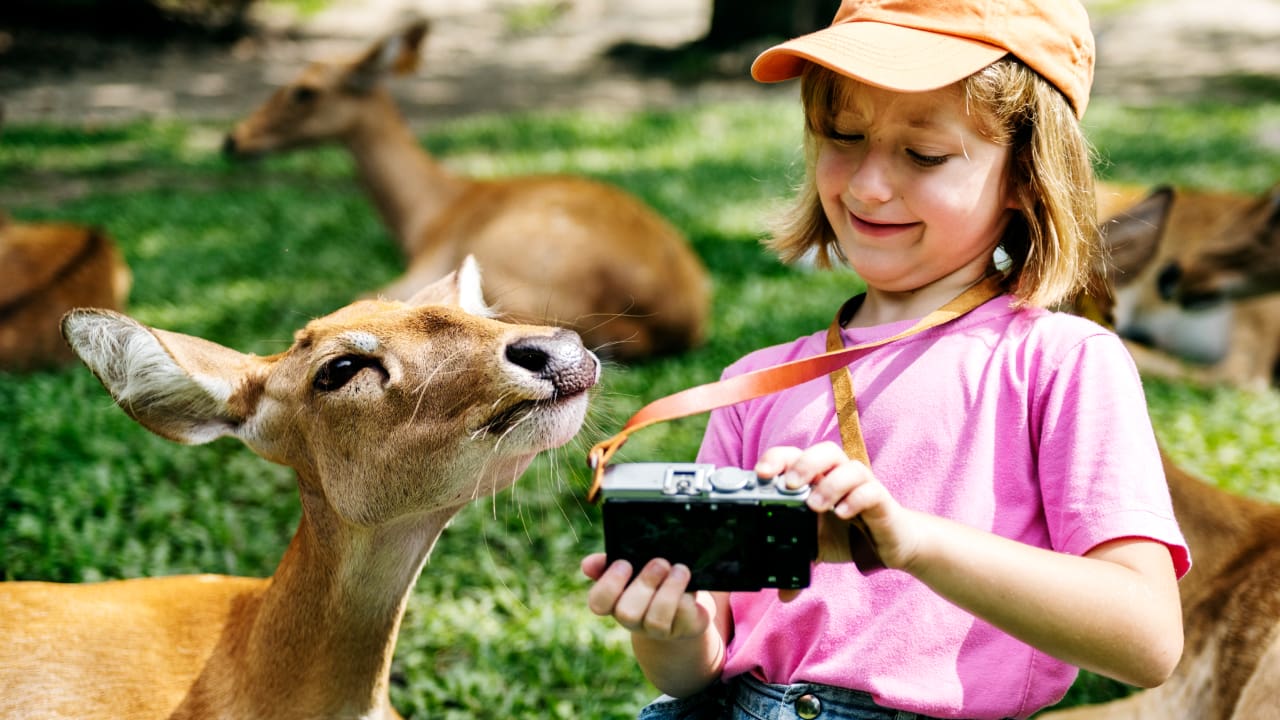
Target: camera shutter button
731,479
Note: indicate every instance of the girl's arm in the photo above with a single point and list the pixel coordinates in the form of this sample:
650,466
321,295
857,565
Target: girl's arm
1114,611
678,637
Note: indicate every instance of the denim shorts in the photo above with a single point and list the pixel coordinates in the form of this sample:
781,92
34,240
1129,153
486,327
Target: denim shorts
746,698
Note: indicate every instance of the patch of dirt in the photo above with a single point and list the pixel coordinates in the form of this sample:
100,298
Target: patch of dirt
486,56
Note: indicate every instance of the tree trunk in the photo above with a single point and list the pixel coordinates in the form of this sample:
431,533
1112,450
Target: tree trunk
734,22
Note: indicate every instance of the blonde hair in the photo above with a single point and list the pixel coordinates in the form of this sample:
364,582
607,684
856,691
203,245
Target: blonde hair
1052,242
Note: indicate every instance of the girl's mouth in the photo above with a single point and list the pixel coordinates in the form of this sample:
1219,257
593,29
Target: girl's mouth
874,228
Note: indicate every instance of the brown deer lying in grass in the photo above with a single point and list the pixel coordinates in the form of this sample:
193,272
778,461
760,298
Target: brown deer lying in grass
1240,259
47,269
1233,342
558,249
1230,666
394,416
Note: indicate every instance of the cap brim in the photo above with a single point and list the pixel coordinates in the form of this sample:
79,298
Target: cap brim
888,56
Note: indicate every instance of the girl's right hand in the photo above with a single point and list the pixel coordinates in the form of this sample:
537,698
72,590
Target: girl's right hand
654,603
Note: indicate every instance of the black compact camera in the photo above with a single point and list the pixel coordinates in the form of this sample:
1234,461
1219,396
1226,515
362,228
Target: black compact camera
733,530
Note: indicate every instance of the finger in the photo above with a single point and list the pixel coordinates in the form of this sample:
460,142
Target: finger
867,495
593,565
813,464
692,618
834,486
774,461
603,596
633,605
666,605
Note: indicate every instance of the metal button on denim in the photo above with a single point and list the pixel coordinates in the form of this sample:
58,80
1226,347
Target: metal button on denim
808,706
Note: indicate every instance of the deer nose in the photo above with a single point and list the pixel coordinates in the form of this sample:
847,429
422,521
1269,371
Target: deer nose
560,359
229,145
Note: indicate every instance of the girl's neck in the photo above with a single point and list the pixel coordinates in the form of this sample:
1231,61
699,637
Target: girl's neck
881,307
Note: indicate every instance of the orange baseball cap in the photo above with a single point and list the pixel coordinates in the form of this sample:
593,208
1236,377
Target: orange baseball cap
918,45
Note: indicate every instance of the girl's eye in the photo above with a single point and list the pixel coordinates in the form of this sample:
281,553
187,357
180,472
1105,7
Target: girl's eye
339,371
927,160
844,138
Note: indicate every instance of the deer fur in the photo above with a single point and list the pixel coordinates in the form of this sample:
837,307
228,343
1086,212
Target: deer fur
556,249
47,269
393,415
1228,342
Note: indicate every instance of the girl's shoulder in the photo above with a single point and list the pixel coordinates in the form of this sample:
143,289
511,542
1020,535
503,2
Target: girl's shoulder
1054,328
1048,339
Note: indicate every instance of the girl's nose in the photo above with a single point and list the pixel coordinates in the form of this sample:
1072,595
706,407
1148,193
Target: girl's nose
870,181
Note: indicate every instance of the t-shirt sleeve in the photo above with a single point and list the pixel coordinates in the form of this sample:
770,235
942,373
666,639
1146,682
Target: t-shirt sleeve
1099,464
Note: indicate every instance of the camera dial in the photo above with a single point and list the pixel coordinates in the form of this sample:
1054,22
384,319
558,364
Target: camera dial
731,479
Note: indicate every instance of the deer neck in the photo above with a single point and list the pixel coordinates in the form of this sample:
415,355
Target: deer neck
408,187
325,628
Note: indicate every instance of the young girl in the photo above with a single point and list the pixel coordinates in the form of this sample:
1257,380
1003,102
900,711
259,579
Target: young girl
1015,490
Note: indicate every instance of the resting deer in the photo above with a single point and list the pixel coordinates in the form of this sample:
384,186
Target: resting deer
47,269
1239,259
558,249
1230,666
394,416
1230,342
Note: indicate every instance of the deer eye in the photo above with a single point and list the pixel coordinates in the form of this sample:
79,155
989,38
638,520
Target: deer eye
304,95
339,371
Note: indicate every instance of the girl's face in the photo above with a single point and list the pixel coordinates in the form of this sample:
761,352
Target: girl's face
918,198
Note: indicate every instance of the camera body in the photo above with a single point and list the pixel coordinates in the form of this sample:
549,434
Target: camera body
733,530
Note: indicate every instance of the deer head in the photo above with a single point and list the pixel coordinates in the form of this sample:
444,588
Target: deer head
383,408
328,99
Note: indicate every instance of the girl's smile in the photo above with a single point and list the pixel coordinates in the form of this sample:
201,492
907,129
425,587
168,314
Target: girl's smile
878,228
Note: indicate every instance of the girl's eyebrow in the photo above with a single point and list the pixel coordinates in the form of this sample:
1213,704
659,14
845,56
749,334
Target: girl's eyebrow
926,121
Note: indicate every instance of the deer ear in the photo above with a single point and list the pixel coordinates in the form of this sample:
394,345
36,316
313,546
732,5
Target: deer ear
460,287
1132,237
178,386
409,52
395,54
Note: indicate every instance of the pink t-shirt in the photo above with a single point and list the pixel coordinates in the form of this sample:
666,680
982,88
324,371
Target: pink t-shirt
1030,424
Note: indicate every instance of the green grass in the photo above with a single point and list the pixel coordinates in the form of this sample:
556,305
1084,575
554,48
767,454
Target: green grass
497,626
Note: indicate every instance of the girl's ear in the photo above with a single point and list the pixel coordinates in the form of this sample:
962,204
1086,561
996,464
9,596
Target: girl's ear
1011,199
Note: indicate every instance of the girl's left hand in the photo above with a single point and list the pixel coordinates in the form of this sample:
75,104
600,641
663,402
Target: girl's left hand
841,489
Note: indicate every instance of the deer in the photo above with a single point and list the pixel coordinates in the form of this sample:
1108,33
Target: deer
394,415
46,269
1230,665
559,249
1230,342
1240,259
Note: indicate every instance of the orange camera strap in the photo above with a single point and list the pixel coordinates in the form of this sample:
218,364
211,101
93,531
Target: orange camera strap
765,381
